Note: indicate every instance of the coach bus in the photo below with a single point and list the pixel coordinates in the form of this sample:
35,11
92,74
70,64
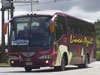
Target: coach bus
50,39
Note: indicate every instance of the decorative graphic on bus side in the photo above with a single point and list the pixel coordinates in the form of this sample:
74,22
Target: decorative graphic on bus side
73,39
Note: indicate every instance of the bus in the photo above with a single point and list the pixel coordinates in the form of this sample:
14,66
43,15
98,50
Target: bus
50,38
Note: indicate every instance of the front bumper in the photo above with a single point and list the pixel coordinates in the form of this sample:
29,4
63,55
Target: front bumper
34,63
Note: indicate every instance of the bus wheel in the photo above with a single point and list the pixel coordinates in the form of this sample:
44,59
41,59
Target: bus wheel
62,67
27,69
86,63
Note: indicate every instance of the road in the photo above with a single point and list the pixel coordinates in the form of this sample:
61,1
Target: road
94,69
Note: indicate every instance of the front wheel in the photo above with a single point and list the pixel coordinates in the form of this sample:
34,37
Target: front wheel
62,67
27,69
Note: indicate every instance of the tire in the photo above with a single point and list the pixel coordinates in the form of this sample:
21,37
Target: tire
85,65
62,67
27,69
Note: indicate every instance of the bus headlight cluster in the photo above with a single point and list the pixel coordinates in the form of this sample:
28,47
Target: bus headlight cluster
45,57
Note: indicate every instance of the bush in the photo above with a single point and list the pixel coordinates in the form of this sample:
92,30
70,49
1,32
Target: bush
98,56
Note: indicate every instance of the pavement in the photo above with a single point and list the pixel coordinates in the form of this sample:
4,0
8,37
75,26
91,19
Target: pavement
94,69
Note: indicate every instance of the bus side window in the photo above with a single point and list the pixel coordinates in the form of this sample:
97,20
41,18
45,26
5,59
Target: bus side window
76,30
72,29
79,30
61,27
68,28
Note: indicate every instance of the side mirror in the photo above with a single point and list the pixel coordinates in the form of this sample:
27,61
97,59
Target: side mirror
52,26
5,28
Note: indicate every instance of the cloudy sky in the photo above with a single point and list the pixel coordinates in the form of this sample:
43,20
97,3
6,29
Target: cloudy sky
85,9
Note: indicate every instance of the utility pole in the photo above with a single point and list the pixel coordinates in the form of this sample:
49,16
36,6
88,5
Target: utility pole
6,4
31,6
3,36
12,9
8,28
11,16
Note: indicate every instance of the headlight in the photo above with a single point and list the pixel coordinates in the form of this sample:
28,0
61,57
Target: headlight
45,57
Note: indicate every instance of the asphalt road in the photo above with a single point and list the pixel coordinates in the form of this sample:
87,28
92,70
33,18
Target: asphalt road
94,69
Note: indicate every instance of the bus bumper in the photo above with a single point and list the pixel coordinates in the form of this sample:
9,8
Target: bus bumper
34,63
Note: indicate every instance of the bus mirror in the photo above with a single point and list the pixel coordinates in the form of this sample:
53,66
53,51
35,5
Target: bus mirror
5,28
53,25
52,28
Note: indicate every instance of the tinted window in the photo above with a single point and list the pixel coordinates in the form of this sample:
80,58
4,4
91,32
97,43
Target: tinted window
32,29
77,26
61,27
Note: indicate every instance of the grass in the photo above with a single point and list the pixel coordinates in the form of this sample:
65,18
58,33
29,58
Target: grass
4,64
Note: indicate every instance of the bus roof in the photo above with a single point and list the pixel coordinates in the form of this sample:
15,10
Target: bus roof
51,13
43,12
47,12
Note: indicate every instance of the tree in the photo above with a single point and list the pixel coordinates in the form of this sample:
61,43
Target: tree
97,28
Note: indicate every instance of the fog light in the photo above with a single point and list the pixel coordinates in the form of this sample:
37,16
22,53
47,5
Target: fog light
12,62
46,61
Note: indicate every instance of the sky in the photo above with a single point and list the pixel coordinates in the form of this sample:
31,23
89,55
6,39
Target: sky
85,9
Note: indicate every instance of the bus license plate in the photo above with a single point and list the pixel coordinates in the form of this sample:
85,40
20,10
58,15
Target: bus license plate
28,63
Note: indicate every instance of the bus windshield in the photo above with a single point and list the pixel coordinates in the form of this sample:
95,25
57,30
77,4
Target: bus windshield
32,30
